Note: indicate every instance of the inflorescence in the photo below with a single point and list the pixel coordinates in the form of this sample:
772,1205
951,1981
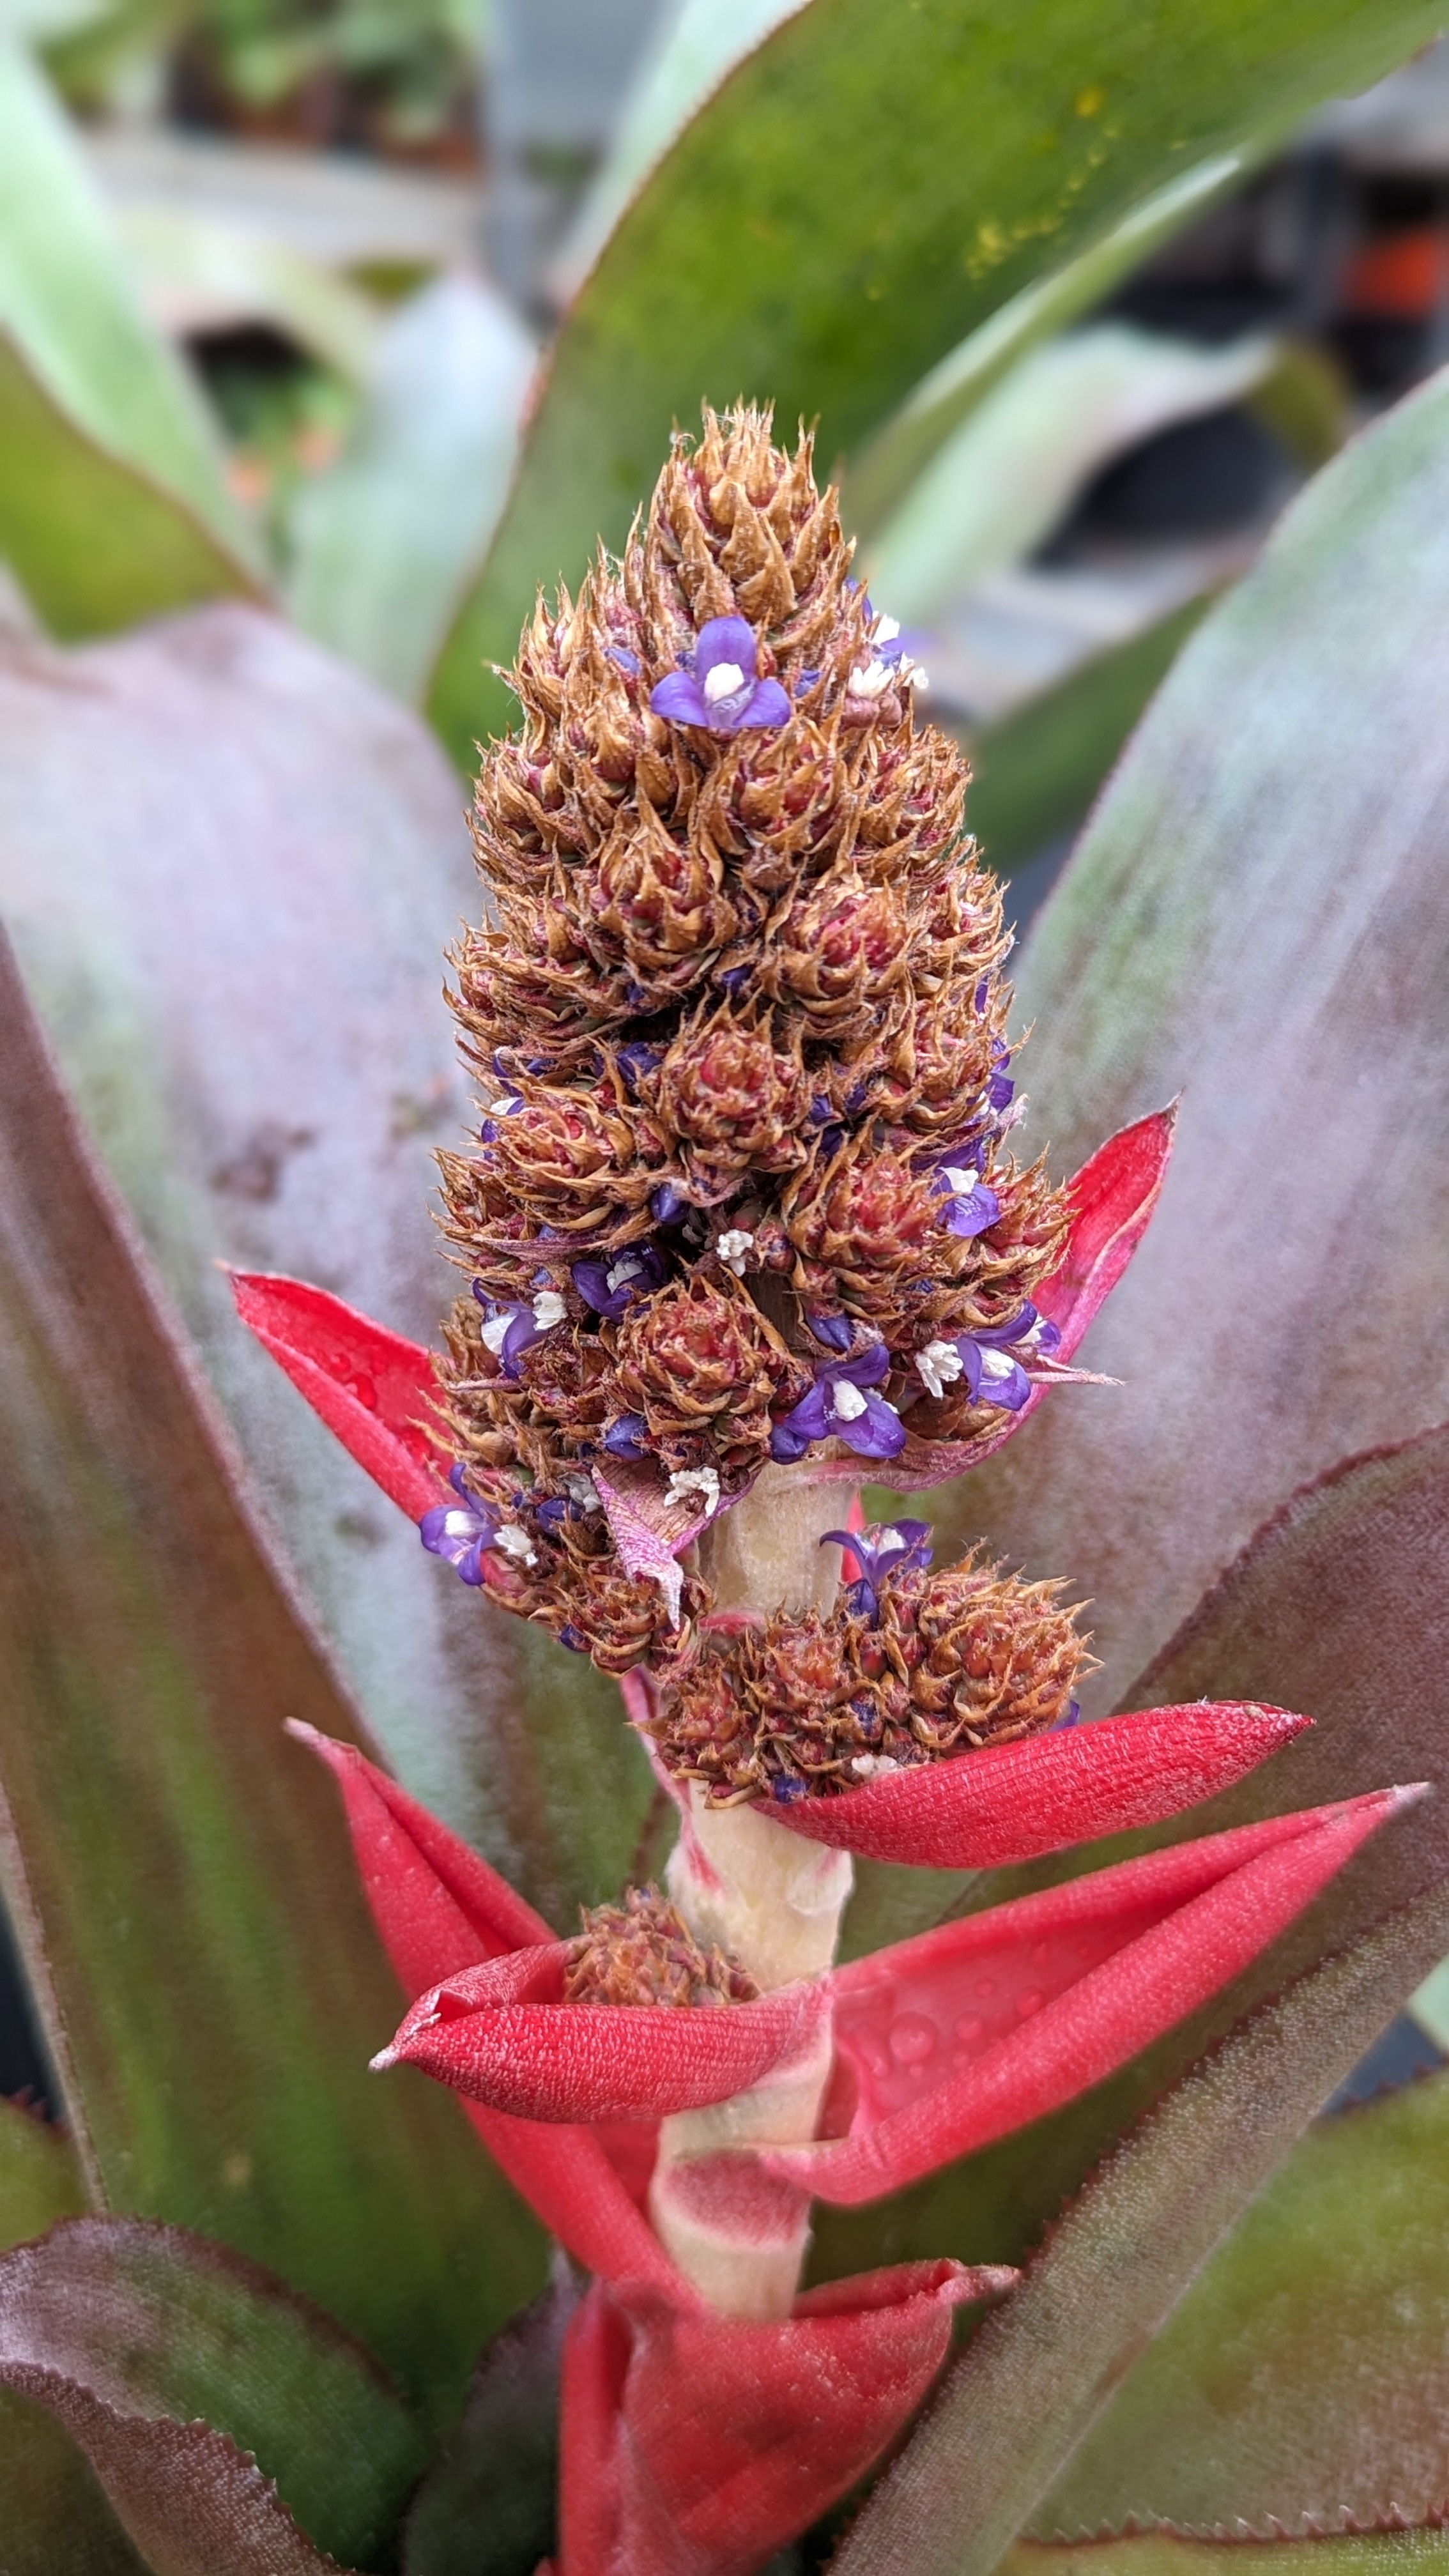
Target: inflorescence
742,1184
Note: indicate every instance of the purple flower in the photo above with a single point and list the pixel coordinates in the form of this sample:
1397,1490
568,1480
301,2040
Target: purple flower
734,979
510,1330
836,1331
721,692
971,1204
503,1107
628,1437
894,1547
840,1405
635,1060
627,661
989,1360
465,1531
610,1286
668,1204
999,1086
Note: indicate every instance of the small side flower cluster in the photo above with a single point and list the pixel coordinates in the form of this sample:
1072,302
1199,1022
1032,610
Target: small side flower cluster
913,1665
741,1187
641,1951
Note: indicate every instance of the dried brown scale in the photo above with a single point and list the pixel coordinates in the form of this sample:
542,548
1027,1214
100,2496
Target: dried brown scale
951,1662
643,1952
733,1095
704,1367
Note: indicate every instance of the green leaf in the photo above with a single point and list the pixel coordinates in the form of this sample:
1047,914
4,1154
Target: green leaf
384,541
1036,773
1303,2384
1340,1607
241,976
1012,470
113,501
148,2325
177,1873
1160,2553
984,145
1255,918
487,2506
890,463
1040,2370
54,2516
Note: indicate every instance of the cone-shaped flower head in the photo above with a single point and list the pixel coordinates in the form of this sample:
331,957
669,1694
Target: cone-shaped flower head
741,1189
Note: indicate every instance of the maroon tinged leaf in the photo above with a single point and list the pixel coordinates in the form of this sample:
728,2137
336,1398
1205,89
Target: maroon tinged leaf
1036,2375
186,1902
237,955
198,2387
1258,914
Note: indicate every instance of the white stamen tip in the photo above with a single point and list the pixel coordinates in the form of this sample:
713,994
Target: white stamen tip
847,1403
938,1366
960,1183
872,1766
515,1541
887,629
722,682
627,1267
870,682
916,678
492,1331
583,1491
732,1246
996,1364
694,1480
548,1309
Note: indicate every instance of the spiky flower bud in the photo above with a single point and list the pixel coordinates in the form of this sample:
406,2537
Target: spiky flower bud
737,1018
642,1952
913,1666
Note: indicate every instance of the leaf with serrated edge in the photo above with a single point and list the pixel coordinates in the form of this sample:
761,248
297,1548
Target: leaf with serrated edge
745,267
1257,915
1160,2553
1303,2385
176,1872
135,2322
1029,2386
54,2516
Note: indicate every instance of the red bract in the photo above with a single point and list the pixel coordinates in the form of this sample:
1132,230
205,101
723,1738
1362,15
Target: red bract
697,2445
438,1906
375,1391
503,2034
941,2043
1010,1802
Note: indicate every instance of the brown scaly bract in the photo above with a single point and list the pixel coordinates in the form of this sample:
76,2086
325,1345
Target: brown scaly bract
738,1022
944,1663
642,1952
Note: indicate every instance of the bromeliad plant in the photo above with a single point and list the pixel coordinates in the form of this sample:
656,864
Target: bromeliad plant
741,1222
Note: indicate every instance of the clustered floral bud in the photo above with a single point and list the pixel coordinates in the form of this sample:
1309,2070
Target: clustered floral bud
912,1665
642,1951
742,1183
